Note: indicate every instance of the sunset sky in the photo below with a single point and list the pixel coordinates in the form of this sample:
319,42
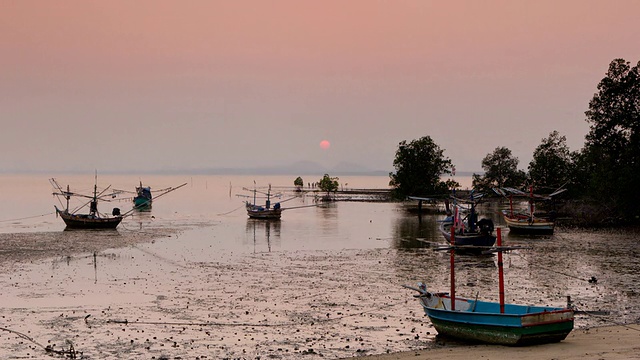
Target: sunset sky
158,85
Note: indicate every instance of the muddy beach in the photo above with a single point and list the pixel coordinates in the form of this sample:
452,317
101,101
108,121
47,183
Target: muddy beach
322,283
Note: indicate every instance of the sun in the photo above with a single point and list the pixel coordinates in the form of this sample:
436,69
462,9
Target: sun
325,144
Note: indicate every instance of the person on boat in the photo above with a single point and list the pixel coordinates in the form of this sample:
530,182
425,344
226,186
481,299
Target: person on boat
276,206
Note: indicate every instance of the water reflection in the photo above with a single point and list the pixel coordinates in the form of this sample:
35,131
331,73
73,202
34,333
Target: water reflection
260,233
415,231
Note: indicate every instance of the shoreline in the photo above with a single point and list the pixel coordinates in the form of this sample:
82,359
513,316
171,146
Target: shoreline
615,342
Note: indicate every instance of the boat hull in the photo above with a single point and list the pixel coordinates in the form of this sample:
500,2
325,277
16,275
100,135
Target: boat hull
142,203
74,221
264,214
480,321
467,239
503,335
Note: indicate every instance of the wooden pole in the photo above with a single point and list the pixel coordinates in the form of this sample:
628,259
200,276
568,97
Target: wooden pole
531,206
453,273
500,271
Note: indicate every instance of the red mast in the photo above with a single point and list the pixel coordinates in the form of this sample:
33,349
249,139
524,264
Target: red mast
453,273
500,271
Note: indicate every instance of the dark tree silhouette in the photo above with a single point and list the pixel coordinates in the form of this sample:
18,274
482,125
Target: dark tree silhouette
419,166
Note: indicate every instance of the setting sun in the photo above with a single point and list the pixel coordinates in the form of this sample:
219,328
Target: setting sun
325,144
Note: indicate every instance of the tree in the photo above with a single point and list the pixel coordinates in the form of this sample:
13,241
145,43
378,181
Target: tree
500,170
419,165
328,184
298,181
610,160
552,162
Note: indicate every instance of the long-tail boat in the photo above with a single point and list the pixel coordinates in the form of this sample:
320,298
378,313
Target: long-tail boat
493,322
92,220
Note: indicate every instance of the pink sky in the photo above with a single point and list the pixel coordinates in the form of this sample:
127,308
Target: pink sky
171,84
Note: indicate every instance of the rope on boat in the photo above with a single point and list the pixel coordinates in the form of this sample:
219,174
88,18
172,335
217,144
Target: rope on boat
593,279
311,322
28,217
603,318
229,212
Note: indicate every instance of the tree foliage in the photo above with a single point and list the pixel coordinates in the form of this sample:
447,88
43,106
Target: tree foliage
500,170
328,184
298,181
609,165
419,165
552,162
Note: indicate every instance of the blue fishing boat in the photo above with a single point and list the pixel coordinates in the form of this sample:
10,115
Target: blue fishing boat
143,198
493,322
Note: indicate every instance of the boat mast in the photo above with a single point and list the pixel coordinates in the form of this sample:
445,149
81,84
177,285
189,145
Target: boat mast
93,207
68,197
269,197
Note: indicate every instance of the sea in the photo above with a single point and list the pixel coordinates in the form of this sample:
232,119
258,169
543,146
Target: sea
194,277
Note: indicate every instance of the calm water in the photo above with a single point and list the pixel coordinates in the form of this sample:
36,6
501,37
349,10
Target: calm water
195,277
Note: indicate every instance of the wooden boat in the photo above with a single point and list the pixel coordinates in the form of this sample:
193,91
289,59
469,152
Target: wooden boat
88,221
143,198
481,235
265,212
519,223
529,222
473,234
94,219
260,212
493,322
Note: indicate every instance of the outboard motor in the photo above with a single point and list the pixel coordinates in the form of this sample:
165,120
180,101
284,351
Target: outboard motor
115,212
486,226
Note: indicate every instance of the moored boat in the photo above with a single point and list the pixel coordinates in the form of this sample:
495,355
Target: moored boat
482,321
473,234
530,222
143,198
519,223
88,221
265,212
493,322
94,219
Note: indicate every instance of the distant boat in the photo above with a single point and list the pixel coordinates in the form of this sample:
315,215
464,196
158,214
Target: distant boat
94,219
529,221
493,322
143,198
473,234
265,212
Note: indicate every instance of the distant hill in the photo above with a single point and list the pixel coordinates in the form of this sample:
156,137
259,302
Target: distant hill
297,168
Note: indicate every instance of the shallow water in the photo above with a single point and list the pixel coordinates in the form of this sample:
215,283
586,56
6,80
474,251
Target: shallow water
195,278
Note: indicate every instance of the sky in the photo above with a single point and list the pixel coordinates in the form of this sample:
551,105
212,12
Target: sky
169,85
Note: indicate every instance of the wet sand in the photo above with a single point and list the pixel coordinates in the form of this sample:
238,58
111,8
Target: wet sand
610,342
